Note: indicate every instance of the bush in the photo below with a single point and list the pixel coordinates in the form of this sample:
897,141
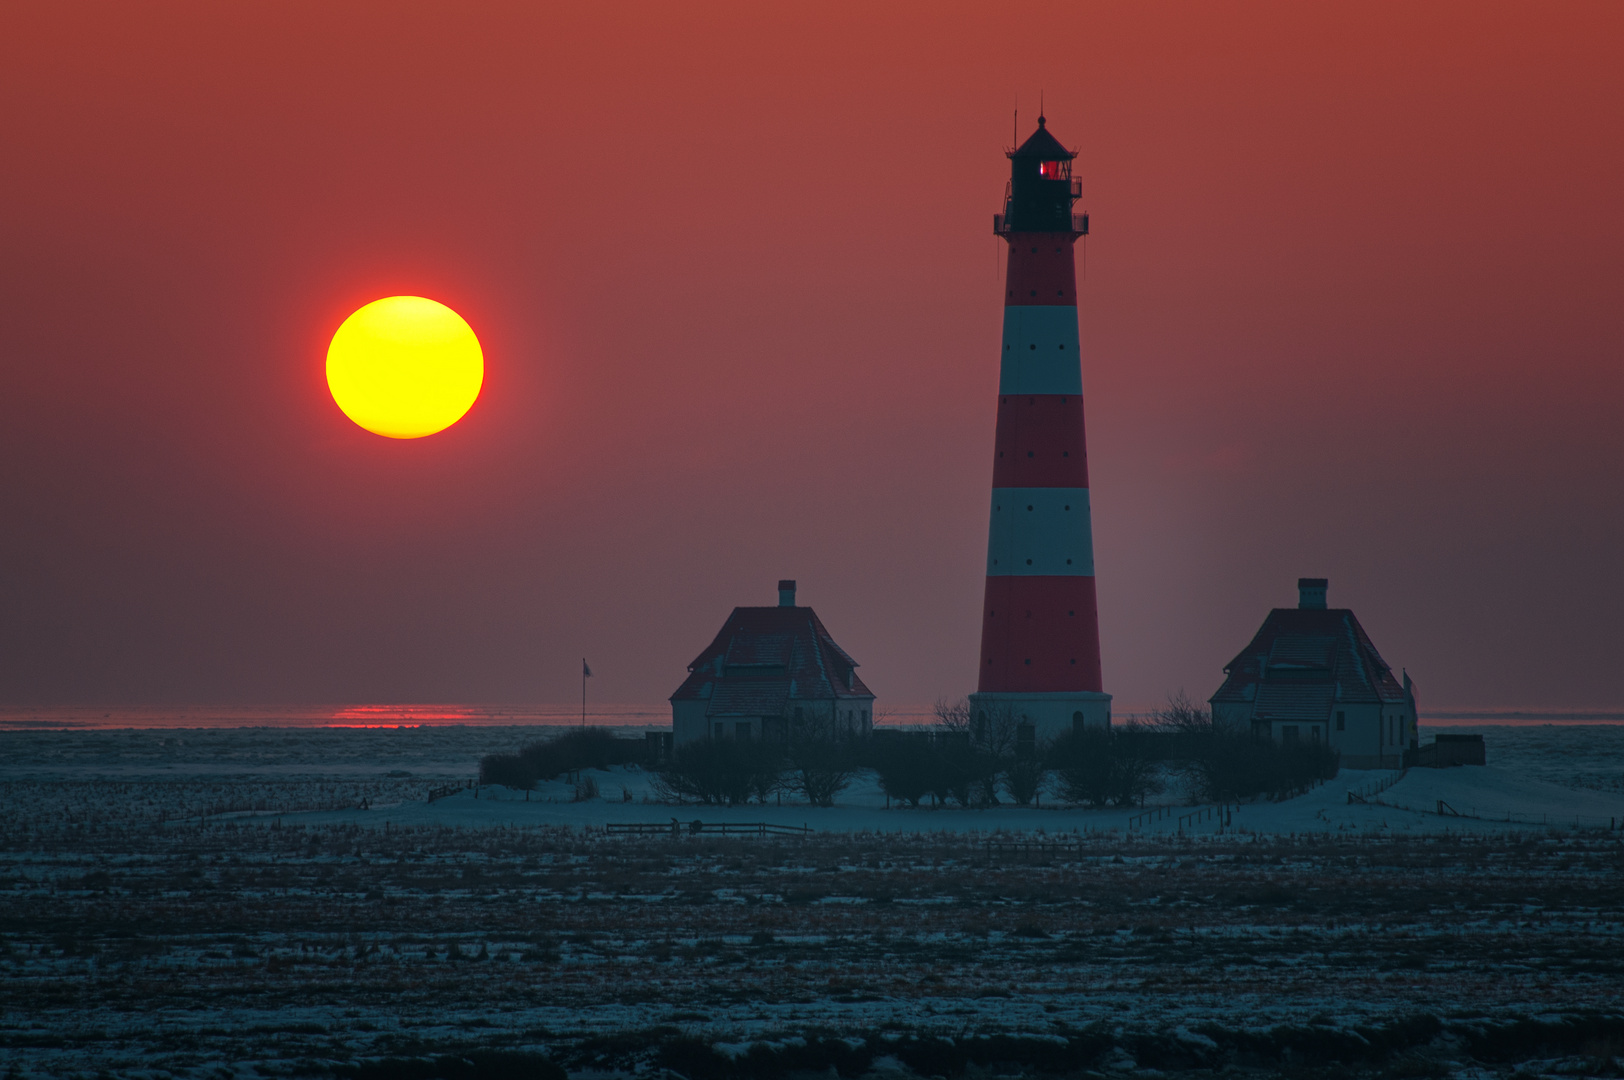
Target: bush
509,770
1022,779
905,766
1227,764
1100,766
822,768
577,749
722,772
955,768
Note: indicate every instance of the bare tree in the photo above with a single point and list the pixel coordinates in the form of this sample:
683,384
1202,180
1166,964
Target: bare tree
991,734
822,759
1183,717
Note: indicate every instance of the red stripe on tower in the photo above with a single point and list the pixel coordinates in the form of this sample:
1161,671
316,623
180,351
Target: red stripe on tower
1040,639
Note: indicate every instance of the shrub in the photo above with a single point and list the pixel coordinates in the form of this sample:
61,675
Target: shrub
577,749
822,768
722,772
1228,766
993,736
956,766
1099,766
509,770
1022,779
905,766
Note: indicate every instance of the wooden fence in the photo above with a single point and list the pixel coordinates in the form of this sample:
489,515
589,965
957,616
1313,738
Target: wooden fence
1375,787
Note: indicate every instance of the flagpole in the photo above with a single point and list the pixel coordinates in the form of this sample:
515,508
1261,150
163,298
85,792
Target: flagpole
583,691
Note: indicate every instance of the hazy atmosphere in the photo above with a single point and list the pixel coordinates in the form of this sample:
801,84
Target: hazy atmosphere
722,541
1350,310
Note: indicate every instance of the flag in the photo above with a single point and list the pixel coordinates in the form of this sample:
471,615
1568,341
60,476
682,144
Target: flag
586,672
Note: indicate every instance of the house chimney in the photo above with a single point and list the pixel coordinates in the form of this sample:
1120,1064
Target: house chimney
786,593
1311,592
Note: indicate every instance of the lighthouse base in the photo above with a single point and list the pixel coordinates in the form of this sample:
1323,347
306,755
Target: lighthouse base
1050,714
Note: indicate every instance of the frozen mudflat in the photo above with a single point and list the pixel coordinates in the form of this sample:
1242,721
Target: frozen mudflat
215,904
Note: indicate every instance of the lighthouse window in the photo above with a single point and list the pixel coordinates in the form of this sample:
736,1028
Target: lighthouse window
1068,562
1028,562
1066,453
1029,454
1071,613
1062,345
1034,348
1051,170
1029,662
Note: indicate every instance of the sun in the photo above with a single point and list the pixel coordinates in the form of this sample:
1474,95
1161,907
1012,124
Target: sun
405,367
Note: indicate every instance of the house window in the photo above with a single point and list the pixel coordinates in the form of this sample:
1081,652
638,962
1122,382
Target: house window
1288,733
800,713
1077,722
1342,721
742,728
721,730
1313,734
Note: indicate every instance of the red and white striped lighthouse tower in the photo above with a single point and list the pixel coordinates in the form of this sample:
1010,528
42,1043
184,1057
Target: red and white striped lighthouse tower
1040,636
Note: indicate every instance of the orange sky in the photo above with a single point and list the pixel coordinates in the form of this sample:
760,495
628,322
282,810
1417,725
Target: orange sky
1352,309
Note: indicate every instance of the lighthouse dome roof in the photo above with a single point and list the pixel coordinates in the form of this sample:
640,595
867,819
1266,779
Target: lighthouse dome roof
1042,145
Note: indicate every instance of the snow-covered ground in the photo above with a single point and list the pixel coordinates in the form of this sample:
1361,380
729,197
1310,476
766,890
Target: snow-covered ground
1472,798
193,903
327,775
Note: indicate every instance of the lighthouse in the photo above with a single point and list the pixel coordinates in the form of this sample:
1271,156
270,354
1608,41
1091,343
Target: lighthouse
1040,637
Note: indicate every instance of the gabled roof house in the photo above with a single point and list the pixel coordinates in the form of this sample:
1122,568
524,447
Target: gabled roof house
1312,674
768,669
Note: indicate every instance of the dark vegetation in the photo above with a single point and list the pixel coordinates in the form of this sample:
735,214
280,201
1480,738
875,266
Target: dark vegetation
444,954
966,759
569,752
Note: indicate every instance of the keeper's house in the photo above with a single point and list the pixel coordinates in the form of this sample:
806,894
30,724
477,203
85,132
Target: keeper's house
1311,674
771,668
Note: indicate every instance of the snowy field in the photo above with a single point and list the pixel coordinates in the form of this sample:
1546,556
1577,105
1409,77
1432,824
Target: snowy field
1537,777
217,904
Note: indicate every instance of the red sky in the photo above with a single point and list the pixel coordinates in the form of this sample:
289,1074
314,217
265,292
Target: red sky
1353,308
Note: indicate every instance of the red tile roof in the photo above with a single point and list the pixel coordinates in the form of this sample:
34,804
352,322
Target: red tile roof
1304,660
765,658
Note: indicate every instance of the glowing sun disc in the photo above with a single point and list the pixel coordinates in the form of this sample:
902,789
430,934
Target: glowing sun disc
405,367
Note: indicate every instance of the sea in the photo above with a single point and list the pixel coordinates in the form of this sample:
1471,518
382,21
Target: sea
1575,748
630,716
